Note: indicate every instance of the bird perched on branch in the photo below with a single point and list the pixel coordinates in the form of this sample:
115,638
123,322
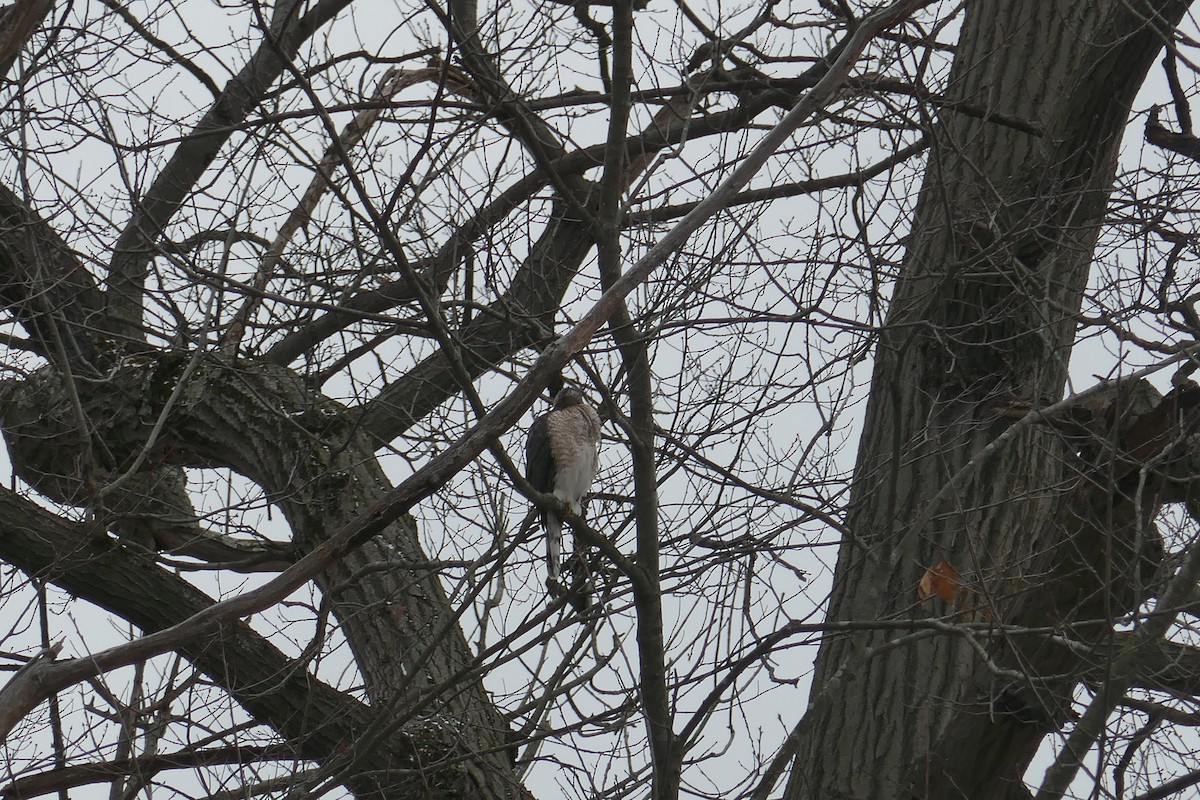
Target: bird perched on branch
561,455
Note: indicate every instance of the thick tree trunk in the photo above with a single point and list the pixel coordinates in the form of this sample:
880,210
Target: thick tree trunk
981,321
314,462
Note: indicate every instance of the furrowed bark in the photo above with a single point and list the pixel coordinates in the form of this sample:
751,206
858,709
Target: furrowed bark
981,317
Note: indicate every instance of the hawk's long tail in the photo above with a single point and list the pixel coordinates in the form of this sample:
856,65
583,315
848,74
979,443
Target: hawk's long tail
553,526
576,588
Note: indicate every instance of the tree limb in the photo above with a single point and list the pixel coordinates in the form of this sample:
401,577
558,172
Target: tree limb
137,244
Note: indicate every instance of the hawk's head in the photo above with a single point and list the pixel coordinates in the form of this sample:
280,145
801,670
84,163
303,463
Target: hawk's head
568,397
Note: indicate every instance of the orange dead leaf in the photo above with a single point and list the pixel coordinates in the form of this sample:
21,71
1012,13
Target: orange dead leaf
941,580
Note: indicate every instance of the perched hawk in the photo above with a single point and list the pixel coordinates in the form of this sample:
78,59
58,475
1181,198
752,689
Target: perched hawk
560,459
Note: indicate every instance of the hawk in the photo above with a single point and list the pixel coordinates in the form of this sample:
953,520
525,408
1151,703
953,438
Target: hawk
561,454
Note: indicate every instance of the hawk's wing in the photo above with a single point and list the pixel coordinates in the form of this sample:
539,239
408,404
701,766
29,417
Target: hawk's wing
539,471
539,464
